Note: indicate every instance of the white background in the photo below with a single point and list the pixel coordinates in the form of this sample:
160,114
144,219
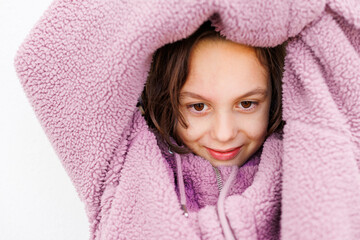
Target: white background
37,198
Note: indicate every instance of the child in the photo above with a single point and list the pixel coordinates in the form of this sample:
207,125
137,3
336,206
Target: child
208,158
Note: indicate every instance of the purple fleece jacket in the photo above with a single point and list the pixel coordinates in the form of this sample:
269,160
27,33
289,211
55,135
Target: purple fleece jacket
84,65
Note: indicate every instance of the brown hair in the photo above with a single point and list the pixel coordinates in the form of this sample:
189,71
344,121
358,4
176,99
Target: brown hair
168,73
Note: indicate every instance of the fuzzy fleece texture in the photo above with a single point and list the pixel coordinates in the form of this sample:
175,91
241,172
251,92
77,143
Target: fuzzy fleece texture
84,65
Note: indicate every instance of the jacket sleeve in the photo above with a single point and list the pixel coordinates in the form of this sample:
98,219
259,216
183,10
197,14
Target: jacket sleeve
70,75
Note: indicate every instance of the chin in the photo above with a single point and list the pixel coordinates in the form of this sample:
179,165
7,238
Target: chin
218,163
233,162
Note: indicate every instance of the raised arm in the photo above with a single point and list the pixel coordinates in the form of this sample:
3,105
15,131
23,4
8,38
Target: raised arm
70,68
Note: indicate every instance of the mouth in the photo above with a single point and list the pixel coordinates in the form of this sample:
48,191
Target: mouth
224,155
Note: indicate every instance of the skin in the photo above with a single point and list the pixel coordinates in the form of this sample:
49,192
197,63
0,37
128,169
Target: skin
225,101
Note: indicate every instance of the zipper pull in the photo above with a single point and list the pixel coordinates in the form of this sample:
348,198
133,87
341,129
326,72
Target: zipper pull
183,207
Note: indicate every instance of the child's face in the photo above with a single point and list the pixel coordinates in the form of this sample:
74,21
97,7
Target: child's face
225,102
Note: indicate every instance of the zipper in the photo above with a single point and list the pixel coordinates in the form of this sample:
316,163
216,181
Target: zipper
218,178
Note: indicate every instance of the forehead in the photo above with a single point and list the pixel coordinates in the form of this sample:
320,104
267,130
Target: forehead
224,66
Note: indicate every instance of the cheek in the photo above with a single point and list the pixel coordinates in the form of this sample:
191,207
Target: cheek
256,126
257,131
196,129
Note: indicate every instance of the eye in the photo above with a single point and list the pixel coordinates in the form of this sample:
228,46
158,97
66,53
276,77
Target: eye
198,107
248,105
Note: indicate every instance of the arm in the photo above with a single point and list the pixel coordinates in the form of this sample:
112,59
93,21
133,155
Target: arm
70,78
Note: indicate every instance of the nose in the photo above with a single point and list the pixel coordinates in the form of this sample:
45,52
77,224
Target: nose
224,127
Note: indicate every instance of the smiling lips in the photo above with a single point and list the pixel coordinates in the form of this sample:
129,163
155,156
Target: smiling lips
224,155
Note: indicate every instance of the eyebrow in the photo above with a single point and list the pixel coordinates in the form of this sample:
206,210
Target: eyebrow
257,91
